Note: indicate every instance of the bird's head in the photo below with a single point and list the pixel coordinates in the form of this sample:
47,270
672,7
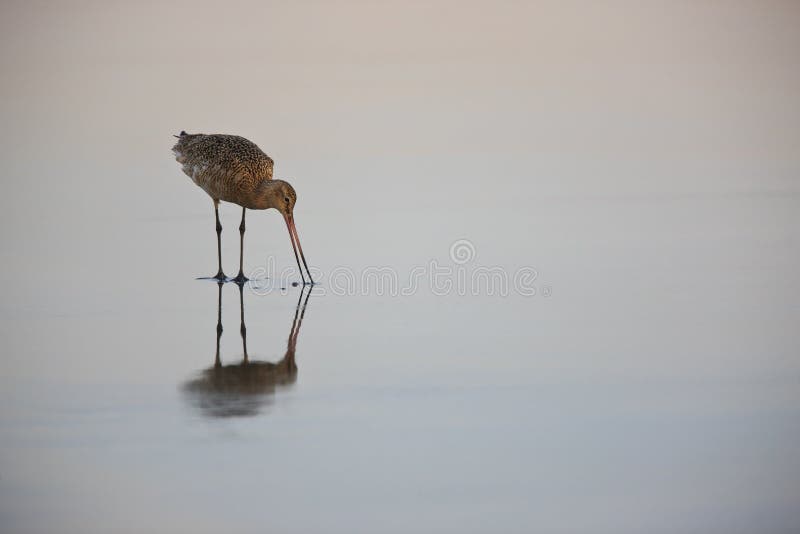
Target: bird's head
277,194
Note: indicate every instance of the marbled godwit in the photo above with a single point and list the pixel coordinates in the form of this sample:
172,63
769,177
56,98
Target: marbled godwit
233,169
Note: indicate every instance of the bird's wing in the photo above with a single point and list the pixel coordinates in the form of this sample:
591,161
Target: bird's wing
225,151
225,166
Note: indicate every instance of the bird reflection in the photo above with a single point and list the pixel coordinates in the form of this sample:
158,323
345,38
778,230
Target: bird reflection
242,389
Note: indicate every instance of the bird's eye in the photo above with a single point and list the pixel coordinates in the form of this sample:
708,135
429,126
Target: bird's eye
286,199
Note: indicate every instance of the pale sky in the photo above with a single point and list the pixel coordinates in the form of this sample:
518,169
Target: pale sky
586,96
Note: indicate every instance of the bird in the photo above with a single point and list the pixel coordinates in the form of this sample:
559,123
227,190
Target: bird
233,169
240,389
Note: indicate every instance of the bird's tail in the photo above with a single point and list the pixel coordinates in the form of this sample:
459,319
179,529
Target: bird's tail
180,147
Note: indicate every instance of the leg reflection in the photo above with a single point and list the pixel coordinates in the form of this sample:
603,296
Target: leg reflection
243,328
217,361
244,388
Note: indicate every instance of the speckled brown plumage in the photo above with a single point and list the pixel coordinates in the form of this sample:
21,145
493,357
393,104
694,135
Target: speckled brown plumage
227,167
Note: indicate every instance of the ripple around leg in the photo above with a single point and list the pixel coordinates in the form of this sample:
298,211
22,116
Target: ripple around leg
219,278
240,279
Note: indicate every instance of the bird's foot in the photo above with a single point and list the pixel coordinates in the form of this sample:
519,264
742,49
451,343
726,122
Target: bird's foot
240,278
219,277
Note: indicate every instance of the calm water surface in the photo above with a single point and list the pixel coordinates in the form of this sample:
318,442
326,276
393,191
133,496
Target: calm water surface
656,385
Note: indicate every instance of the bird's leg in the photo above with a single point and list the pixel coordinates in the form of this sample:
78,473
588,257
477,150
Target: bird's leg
220,275
241,278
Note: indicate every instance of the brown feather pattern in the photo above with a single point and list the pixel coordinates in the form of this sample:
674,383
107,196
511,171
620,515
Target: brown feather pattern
227,167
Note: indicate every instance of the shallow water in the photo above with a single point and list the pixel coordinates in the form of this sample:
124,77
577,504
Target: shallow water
654,390
641,160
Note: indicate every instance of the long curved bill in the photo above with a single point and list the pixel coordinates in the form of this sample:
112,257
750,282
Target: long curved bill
297,247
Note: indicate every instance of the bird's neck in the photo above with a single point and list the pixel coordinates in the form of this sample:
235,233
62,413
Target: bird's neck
265,197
